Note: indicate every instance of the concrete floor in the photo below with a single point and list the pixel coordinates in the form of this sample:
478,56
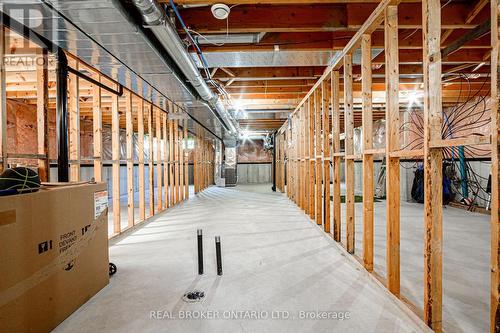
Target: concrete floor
466,256
274,259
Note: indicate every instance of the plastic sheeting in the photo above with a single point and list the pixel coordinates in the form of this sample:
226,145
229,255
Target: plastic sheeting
378,137
107,146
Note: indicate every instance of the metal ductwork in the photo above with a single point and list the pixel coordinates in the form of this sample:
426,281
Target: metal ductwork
155,19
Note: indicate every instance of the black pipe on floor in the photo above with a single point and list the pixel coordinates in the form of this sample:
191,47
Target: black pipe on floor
218,255
200,251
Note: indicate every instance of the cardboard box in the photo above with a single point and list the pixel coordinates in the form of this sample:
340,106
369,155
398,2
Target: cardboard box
54,254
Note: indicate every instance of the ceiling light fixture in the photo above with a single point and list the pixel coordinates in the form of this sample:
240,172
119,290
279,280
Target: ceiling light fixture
220,11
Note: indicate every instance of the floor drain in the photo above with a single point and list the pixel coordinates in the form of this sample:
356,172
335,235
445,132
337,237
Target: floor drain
193,296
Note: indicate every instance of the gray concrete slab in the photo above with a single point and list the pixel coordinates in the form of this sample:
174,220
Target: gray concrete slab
466,256
274,259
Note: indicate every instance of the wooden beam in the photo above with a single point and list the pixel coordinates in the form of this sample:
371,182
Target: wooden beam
305,158
186,161
140,152
367,128
42,116
312,158
325,92
151,161
171,157
467,37
115,152
159,167
371,23
335,78
495,175
97,128
392,144
177,191
74,124
433,178
182,194
318,148
165,158
476,9
129,131
349,150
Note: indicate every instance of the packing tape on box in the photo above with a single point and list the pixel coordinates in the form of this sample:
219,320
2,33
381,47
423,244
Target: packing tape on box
55,265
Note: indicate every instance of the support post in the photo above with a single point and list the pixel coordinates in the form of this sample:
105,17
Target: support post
392,144
151,161
159,192
433,174
62,117
42,104
495,175
97,127
312,158
349,151
367,127
115,150
186,162
182,194
165,158
318,152
325,91
74,125
176,157
129,129
171,158
336,149
140,152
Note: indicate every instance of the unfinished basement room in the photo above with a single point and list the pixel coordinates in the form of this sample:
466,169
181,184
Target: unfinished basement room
249,166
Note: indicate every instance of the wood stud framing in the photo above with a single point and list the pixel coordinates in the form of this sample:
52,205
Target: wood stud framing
74,123
130,159
308,110
367,124
42,115
335,151
150,160
140,152
392,144
115,143
349,151
97,129
144,113
325,100
495,175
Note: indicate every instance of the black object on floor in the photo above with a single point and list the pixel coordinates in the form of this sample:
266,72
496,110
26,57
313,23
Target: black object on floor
218,255
112,269
193,296
200,251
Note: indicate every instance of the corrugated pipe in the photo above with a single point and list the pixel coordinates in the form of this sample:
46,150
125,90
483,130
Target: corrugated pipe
155,20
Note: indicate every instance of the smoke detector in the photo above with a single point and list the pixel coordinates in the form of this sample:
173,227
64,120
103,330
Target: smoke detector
220,11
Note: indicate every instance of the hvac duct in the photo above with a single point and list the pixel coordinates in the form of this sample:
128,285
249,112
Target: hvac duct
155,20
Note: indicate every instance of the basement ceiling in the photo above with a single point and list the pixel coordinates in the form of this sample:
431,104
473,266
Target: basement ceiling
99,33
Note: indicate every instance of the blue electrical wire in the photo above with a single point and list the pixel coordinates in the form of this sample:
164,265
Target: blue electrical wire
181,21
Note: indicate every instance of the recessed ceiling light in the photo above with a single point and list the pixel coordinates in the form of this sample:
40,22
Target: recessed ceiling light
220,11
